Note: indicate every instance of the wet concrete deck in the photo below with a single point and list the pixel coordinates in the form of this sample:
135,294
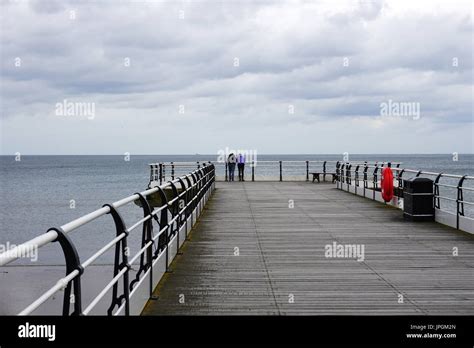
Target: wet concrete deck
280,267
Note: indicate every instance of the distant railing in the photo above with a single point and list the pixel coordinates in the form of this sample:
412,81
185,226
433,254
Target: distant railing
160,171
180,203
364,179
276,170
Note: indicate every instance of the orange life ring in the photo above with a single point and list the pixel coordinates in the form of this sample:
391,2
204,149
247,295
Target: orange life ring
386,184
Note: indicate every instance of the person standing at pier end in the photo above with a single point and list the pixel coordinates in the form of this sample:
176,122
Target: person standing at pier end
231,160
241,166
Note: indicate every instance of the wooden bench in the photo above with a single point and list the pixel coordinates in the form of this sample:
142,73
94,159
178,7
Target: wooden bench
316,176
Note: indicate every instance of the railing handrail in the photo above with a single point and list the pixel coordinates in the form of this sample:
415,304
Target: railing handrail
407,170
199,182
397,169
261,161
159,170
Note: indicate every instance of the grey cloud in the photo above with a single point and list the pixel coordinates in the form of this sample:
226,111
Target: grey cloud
289,53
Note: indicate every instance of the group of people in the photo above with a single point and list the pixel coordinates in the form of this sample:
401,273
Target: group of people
232,160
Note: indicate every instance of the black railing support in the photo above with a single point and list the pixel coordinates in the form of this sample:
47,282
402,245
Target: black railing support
348,172
186,200
437,203
162,222
195,189
375,178
121,252
400,183
146,260
161,173
356,177
460,201
342,173
72,263
174,213
189,211
307,170
253,170
281,171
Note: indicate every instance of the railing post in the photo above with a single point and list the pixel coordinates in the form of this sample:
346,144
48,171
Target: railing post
189,210
356,177
121,252
195,178
198,165
400,183
437,203
324,171
172,171
281,171
213,177
198,195
343,166
375,181
72,263
253,170
174,212
161,173
307,170
163,221
146,262
459,201
348,175
366,168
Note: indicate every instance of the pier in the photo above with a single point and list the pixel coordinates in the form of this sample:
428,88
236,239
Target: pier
209,246
281,268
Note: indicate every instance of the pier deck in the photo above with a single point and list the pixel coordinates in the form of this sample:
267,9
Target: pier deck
281,257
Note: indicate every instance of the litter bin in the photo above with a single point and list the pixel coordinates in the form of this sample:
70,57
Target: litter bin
418,202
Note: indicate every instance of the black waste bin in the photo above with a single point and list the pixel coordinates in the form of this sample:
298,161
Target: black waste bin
418,203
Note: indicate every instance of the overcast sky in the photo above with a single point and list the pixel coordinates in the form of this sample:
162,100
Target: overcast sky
185,77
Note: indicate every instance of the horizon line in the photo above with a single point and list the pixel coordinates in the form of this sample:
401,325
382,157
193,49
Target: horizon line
264,154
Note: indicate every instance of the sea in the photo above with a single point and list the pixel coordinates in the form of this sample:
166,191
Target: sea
40,192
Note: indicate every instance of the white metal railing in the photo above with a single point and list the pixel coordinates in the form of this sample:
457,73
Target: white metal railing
351,176
178,211
278,170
